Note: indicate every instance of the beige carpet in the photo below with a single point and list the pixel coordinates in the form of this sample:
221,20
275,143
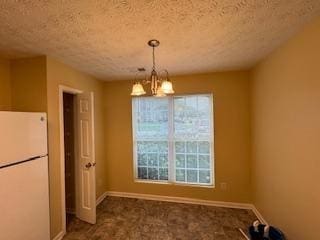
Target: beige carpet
125,218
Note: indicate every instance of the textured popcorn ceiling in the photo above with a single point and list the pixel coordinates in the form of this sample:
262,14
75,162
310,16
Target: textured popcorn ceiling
107,38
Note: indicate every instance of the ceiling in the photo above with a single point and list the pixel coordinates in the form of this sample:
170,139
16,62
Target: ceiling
108,39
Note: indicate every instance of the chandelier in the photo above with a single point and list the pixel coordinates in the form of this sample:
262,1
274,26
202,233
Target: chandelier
159,82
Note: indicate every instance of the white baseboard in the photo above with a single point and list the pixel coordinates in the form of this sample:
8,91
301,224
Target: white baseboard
59,236
259,215
101,198
188,201
176,200
180,200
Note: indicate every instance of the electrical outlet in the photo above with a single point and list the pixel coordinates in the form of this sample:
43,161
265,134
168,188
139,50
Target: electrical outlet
223,186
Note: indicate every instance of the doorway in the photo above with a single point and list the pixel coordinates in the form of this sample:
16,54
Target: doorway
77,156
69,156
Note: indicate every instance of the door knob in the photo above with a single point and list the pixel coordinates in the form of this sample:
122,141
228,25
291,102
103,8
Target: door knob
88,165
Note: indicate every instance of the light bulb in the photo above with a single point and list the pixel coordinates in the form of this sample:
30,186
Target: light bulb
167,87
160,92
137,90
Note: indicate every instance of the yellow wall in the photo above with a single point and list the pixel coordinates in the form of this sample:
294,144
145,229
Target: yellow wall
29,84
32,84
5,85
58,73
286,135
232,137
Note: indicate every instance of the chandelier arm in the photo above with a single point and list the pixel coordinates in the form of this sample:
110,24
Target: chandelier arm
146,81
165,71
136,78
143,81
167,74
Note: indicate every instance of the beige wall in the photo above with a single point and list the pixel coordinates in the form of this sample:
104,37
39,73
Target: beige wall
5,85
58,73
232,137
286,135
29,84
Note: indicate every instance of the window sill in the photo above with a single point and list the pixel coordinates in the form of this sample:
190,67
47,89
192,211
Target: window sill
174,183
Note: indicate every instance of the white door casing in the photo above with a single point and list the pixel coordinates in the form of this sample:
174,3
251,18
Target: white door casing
85,155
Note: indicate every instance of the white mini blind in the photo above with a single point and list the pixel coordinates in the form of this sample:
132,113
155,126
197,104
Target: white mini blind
173,139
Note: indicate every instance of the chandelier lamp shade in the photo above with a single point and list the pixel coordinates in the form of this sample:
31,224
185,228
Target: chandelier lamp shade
160,83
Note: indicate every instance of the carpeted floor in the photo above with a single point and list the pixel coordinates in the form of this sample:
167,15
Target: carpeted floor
133,219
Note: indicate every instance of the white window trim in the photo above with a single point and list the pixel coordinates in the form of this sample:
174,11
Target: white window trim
171,166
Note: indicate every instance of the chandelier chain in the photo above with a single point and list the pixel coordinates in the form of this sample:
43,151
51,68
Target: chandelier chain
154,59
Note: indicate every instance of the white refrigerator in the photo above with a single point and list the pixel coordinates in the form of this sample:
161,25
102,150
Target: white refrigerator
24,191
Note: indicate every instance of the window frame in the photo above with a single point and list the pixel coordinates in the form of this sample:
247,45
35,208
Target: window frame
171,147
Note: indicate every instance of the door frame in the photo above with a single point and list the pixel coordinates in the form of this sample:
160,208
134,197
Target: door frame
74,91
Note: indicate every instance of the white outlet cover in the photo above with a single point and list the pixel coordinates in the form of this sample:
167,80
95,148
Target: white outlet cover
223,186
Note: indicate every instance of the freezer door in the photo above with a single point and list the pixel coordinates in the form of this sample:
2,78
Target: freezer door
24,201
22,136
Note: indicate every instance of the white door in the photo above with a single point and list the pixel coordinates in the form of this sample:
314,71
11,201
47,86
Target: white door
85,163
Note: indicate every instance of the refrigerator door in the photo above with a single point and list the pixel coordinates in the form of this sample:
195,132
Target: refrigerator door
22,136
24,201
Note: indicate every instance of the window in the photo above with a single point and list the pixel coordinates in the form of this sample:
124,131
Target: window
173,139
